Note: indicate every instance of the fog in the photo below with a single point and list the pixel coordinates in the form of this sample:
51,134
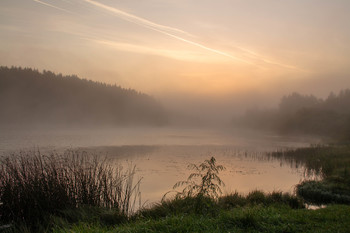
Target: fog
153,87
200,57
220,109
204,62
46,110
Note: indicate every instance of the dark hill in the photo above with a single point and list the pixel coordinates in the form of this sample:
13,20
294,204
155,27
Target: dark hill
28,97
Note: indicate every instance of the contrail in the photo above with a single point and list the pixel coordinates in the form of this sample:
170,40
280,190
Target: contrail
168,31
160,28
136,19
203,47
53,6
268,61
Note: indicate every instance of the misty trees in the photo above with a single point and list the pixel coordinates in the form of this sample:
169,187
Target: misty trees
294,102
30,97
306,114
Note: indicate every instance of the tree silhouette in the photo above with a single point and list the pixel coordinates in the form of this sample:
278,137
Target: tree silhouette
30,97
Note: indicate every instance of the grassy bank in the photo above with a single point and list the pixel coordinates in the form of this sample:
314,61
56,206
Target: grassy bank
331,163
78,193
277,218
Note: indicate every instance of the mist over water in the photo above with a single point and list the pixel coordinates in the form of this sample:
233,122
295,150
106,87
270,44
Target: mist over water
12,139
160,167
53,113
103,102
161,155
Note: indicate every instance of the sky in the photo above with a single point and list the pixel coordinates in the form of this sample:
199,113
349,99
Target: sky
191,54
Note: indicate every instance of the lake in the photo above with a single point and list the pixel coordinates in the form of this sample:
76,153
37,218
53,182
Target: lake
161,155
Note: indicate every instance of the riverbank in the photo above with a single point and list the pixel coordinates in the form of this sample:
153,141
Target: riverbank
329,162
255,212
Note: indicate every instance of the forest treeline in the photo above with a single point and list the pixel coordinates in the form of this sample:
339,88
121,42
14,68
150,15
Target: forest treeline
304,114
30,97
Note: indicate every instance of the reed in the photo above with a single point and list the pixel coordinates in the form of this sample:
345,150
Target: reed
324,161
331,163
34,186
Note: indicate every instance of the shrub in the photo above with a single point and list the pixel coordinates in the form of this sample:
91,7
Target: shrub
256,197
209,181
315,192
260,198
202,188
232,201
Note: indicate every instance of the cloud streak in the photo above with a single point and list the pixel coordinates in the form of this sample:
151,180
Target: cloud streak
161,29
52,6
257,56
170,31
206,48
136,19
174,54
184,55
247,56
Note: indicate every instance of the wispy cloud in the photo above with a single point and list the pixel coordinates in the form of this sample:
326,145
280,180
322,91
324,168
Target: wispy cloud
136,19
182,55
243,55
207,48
53,6
166,30
179,55
259,57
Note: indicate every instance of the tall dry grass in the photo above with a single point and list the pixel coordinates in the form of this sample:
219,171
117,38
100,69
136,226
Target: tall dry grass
34,186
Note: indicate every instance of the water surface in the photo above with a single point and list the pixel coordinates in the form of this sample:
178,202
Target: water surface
162,155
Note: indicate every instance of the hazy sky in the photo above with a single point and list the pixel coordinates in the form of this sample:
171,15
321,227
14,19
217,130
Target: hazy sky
229,50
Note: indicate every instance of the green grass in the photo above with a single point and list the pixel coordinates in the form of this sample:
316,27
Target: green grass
211,207
243,219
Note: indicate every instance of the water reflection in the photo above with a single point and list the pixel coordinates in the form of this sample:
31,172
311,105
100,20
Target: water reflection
162,155
160,167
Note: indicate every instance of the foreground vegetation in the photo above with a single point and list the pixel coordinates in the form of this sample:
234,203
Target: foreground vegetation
36,187
331,164
76,193
242,219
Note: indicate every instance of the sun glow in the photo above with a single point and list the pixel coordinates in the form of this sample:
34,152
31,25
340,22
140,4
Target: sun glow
157,48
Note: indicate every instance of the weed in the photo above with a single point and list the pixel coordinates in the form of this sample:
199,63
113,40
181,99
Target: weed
209,181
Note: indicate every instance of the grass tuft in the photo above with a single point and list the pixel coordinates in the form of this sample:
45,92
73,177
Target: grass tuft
34,187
